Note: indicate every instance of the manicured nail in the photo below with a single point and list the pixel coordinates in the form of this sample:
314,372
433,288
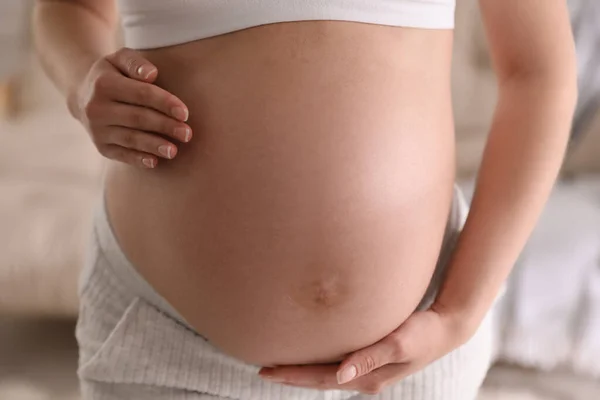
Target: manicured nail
165,151
148,162
184,134
144,71
180,113
346,375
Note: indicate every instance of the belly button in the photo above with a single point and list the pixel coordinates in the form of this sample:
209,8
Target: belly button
325,297
320,294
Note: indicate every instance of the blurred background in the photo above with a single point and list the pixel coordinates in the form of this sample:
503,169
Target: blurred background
548,326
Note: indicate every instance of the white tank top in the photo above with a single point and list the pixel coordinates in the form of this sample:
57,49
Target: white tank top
159,23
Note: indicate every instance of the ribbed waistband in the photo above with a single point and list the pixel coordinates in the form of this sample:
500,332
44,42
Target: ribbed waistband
123,269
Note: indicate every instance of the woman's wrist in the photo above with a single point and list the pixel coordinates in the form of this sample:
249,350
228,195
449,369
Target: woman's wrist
72,92
72,100
463,323
464,311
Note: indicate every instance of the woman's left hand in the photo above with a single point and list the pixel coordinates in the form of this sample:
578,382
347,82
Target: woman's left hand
423,338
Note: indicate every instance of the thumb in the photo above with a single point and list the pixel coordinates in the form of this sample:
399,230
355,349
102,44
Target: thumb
133,65
368,359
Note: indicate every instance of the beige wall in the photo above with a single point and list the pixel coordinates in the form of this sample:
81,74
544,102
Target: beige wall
14,35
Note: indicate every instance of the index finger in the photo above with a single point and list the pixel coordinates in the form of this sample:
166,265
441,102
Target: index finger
148,95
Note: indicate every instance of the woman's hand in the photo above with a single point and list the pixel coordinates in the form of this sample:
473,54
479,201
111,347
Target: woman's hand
425,337
128,117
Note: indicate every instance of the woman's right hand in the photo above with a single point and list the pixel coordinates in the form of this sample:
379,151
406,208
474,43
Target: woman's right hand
128,117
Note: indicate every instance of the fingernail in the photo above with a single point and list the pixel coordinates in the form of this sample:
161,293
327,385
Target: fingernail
184,134
144,71
165,151
180,113
148,162
346,375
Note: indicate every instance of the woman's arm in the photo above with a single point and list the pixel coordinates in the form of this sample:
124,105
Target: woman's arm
534,57
70,35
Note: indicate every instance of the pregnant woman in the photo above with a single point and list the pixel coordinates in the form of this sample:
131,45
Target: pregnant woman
279,218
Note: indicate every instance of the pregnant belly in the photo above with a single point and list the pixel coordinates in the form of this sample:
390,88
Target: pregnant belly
305,218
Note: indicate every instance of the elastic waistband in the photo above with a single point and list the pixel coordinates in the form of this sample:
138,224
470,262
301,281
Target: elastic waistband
123,269
459,209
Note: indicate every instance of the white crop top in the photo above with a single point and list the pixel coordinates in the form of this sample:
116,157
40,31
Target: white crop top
159,23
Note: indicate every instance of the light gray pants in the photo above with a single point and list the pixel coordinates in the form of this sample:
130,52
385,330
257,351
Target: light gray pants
134,345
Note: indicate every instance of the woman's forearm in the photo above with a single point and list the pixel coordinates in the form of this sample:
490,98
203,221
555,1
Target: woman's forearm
70,36
520,165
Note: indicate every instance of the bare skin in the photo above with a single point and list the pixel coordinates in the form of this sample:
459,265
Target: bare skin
303,219
283,231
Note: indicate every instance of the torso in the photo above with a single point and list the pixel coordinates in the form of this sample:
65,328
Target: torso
304,219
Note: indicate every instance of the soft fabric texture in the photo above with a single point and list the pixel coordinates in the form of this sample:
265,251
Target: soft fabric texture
134,345
550,314
554,286
159,23
586,30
